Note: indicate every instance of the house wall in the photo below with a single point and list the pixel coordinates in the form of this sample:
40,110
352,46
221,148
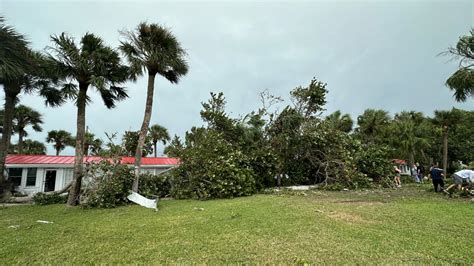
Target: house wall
64,174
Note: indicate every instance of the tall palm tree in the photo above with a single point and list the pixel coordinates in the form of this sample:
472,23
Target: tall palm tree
341,122
462,81
154,49
60,139
158,133
21,70
26,116
447,120
91,64
372,124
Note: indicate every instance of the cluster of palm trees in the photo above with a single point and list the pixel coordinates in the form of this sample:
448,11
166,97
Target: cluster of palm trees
70,69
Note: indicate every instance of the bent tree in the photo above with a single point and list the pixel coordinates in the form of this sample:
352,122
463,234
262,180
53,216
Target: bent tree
153,49
21,70
89,64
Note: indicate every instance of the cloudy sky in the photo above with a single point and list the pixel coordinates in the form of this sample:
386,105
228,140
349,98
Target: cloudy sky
372,54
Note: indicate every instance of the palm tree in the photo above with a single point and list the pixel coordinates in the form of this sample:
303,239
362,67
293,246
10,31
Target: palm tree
341,122
60,139
372,124
21,70
33,147
92,144
26,116
158,133
91,64
154,49
409,133
447,120
462,81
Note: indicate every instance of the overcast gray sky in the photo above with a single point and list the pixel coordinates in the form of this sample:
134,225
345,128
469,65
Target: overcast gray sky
372,54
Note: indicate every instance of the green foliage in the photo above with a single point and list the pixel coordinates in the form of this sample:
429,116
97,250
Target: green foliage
212,168
154,185
60,139
310,100
130,142
107,185
33,147
374,161
372,126
462,81
174,148
46,199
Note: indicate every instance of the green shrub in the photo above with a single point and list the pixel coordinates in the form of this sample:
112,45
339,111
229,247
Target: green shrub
46,199
373,161
107,185
211,168
154,186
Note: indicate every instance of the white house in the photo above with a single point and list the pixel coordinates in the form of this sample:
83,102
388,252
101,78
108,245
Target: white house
402,165
42,173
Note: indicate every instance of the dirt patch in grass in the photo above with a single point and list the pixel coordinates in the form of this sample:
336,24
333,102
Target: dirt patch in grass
348,218
359,202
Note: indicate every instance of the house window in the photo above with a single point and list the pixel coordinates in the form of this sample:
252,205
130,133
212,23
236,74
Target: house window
31,177
14,174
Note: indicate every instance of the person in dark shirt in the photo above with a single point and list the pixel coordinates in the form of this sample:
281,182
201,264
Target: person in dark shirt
437,177
420,171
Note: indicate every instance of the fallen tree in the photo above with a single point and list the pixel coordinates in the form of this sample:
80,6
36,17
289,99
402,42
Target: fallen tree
29,199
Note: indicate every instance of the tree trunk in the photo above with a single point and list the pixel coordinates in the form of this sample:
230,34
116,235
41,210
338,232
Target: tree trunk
445,149
57,152
11,91
144,129
20,141
154,147
412,160
75,192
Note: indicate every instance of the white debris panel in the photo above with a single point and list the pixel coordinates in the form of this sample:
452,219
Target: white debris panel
142,201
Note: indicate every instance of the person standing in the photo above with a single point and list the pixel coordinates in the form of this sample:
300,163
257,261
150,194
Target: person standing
414,173
396,179
437,177
420,171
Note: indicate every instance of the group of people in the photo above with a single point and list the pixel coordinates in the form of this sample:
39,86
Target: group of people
462,179
417,172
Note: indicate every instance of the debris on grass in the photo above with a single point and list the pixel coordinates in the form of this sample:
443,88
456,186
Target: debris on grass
198,209
44,222
15,226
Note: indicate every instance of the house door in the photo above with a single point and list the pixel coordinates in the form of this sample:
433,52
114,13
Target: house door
49,180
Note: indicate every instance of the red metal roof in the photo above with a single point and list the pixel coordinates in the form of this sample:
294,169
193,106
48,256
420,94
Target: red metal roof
399,161
51,159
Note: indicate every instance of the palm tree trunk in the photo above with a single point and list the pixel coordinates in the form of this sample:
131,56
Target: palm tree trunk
75,191
20,141
10,96
445,149
154,147
57,151
144,129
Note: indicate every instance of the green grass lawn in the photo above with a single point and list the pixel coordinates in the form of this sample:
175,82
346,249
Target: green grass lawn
410,225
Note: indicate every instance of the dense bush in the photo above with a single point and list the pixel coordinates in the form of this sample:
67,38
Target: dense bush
152,186
373,160
211,168
107,185
46,199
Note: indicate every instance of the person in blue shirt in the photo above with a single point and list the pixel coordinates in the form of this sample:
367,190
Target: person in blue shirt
437,176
